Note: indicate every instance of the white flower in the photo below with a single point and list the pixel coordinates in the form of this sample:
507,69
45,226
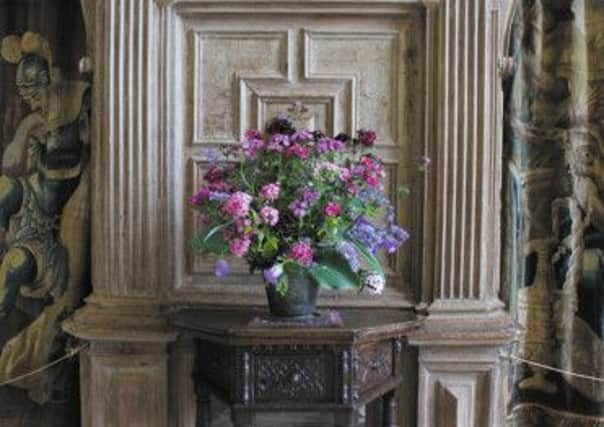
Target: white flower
374,282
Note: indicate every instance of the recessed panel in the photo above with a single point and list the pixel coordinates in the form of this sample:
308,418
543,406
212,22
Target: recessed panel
372,58
222,58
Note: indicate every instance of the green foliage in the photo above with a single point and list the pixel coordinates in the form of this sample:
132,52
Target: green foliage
211,240
368,257
332,271
282,285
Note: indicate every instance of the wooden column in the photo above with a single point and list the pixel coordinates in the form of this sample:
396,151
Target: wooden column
124,378
460,378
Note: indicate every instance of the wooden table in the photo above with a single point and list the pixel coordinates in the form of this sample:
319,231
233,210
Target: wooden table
257,368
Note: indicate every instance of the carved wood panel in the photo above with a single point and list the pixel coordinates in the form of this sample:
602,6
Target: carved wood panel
238,72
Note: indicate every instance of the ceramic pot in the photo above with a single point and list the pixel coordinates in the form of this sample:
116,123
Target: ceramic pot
299,301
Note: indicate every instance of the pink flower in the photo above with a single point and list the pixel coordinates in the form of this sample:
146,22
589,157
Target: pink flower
201,196
331,209
243,225
270,191
298,151
370,179
345,174
252,134
269,215
213,174
237,205
302,253
352,188
239,247
367,137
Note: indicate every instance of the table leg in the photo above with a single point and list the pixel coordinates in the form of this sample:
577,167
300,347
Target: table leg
346,418
242,418
390,409
202,391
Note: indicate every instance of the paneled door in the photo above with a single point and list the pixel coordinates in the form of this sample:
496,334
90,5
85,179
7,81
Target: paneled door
233,69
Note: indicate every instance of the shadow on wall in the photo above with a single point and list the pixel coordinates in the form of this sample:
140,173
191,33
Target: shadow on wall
44,207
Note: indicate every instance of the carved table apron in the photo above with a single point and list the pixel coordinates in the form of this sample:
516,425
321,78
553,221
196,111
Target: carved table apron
297,368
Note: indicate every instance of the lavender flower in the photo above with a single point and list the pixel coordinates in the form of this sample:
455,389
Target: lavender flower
366,233
301,136
272,275
252,146
298,208
278,142
211,154
218,196
310,196
221,268
349,252
326,144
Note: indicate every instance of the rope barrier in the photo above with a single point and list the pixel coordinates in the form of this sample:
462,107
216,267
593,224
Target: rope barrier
517,359
70,354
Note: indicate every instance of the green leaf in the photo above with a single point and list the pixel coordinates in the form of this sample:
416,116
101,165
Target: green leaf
270,246
282,285
332,271
367,256
211,241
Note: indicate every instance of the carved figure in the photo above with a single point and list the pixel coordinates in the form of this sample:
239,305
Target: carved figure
42,241
580,261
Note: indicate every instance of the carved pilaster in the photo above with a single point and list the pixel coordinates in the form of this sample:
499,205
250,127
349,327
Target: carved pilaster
125,380
126,152
467,157
460,376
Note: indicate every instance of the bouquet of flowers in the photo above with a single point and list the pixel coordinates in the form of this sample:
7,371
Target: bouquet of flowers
299,202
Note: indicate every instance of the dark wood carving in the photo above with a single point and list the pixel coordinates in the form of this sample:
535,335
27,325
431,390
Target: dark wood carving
282,376
298,368
374,364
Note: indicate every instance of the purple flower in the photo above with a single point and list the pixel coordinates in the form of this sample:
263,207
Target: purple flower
200,197
298,208
327,144
221,268
252,146
278,142
211,154
349,252
301,136
399,233
269,215
309,196
218,196
272,275
366,233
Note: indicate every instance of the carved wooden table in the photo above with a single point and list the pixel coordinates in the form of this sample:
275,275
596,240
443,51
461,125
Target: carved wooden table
335,369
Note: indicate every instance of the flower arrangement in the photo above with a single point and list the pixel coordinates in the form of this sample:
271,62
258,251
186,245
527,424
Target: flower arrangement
294,201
